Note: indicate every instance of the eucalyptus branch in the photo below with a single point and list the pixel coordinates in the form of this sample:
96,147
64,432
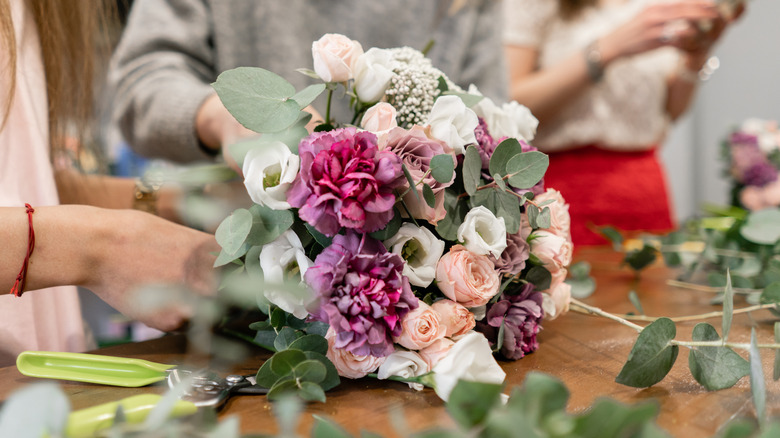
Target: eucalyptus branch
584,308
709,289
709,315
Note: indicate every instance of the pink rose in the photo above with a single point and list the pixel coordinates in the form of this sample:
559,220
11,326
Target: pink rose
467,278
350,365
379,118
553,250
752,198
335,56
560,221
421,327
455,319
435,352
556,299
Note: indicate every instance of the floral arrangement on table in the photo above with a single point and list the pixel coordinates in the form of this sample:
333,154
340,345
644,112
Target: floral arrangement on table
418,239
753,155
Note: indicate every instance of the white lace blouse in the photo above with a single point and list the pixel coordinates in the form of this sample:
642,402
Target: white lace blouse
625,110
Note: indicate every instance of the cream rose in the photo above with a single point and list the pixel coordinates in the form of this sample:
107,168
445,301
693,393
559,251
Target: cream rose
467,278
469,359
284,260
379,118
335,56
454,318
556,299
560,221
453,123
406,364
482,232
510,120
554,251
350,365
421,251
435,352
269,171
373,72
420,328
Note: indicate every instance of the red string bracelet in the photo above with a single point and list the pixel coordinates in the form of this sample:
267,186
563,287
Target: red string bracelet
18,287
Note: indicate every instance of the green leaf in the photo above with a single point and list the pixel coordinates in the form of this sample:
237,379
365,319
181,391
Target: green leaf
582,288
314,343
456,208
527,169
613,236
391,228
652,356
728,307
320,238
540,398
225,257
429,196
640,259
501,204
472,168
634,298
259,99
410,180
306,96
715,367
762,227
311,392
332,379
310,371
283,362
442,168
282,388
324,428
757,386
499,182
290,136
608,418
265,376
278,318
471,402
776,371
771,294
500,337
468,99
540,277
579,270
233,231
505,151
268,224
286,336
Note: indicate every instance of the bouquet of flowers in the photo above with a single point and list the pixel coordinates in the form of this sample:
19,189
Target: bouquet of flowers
753,155
418,239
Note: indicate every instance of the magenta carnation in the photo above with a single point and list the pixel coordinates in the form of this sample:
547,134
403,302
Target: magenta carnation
362,292
345,181
520,313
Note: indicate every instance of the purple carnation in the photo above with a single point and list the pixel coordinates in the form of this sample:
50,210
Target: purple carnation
345,181
362,292
517,251
749,165
485,143
521,314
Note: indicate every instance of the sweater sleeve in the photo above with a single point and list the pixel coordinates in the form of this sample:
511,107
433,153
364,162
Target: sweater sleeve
525,21
160,75
484,65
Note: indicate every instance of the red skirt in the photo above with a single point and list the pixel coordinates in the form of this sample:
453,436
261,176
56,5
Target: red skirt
625,190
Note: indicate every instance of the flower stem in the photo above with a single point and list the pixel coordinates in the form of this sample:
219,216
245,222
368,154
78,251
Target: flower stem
709,289
327,108
596,311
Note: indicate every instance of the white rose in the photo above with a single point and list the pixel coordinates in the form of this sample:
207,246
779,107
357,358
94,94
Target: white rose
421,251
453,123
269,170
379,118
510,120
469,359
282,260
482,232
335,56
373,72
404,364
554,251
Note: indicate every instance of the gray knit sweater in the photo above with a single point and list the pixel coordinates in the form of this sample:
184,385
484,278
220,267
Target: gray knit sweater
172,50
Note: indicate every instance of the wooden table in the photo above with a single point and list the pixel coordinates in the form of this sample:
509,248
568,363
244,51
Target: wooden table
586,352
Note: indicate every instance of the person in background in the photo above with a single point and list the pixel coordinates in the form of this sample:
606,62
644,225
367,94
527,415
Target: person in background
46,74
606,78
172,51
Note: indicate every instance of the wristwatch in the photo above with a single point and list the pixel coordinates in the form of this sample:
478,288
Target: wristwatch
593,61
145,194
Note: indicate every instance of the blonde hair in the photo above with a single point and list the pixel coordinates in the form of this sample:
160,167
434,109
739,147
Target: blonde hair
68,33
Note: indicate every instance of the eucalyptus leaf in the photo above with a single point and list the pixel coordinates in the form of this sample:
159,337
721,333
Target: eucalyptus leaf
268,224
579,270
310,371
287,411
757,385
501,204
332,376
281,389
283,362
410,180
266,377
442,168
259,99
634,298
613,236
652,356
762,227
225,257
640,259
306,96
728,307
540,277
34,411
527,169
500,183
544,219
429,196
505,151
472,168
581,288
471,402
308,72
286,337
310,391
314,343
233,231
715,367
456,208
608,418
320,238
468,99
391,228
324,428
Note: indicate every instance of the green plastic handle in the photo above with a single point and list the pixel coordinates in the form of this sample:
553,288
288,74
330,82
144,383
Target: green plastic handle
87,422
91,368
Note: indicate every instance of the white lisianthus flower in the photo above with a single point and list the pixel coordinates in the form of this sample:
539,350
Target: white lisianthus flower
482,232
510,120
469,359
453,123
404,364
335,56
269,171
765,131
421,251
373,72
285,260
